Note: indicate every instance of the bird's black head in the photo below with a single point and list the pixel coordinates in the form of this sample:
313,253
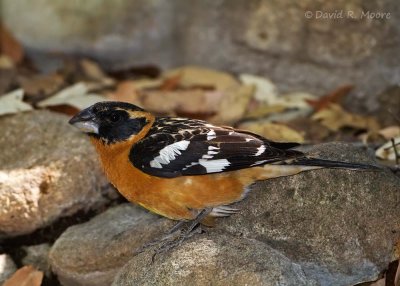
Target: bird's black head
111,121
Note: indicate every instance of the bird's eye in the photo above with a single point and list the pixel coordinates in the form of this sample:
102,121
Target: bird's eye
115,117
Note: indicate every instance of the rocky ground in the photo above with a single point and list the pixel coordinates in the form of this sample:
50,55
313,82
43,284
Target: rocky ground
322,227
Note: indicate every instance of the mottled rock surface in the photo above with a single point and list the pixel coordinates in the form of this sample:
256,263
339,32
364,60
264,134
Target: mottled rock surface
215,259
291,42
37,256
91,254
48,170
322,227
340,226
7,267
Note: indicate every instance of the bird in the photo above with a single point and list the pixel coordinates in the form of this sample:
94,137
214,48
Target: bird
187,170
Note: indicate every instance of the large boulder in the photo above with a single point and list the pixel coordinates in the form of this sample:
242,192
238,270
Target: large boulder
90,254
48,170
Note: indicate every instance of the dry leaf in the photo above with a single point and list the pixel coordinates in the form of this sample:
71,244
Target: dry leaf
265,90
264,110
315,132
9,46
390,132
333,97
233,105
182,101
388,150
76,96
296,100
335,117
25,276
93,71
171,83
126,91
6,62
197,76
41,84
12,103
273,131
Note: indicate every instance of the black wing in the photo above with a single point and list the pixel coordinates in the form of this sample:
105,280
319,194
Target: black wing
186,147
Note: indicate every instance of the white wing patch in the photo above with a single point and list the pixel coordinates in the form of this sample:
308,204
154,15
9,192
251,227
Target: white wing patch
214,166
211,135
169,153
260,150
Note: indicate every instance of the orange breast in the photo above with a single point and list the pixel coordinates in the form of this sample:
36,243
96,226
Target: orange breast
175,198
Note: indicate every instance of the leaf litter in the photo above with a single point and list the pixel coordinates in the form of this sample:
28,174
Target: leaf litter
246,101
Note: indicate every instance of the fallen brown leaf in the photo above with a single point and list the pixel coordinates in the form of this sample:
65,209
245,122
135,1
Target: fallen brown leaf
93,71
171,83
181,101
334,117
263,110
273,131
233,104
333,97
41,86
390,132
10,46
314,131
198,76
25,276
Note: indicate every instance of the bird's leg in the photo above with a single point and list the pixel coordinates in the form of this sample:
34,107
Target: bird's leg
174,238
193,227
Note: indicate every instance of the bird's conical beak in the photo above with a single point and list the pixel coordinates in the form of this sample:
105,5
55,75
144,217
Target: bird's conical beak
85,121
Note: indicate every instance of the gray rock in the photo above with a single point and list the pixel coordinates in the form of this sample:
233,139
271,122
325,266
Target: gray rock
7,267
340,226
214,259
90,254
37,256
48,170
269,38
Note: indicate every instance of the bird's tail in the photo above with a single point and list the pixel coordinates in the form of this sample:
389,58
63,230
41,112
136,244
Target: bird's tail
297,165
316,162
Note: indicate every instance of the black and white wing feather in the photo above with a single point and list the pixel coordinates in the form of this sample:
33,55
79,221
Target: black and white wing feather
186,147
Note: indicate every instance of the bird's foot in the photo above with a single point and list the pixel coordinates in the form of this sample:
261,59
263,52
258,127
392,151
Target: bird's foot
176,235
169,244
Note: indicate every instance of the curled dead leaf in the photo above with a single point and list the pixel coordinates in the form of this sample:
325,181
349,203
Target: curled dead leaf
389,150
12,103
76,96
335,117
190,76
273,131
333,97
25,276
265,89
9,46
390,132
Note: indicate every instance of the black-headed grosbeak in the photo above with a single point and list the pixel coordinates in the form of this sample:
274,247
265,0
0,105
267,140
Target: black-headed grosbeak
185,169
